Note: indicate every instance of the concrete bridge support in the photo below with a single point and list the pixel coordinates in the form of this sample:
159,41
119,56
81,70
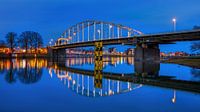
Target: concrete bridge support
147,52
56,53
60,53
50,52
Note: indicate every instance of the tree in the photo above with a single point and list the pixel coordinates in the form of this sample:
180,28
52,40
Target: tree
24,40
196,27
37,41
195,47
11,38
30,39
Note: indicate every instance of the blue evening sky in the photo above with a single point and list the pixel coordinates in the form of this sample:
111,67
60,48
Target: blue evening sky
51,17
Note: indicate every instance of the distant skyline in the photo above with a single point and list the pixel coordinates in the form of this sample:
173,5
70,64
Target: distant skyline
51,17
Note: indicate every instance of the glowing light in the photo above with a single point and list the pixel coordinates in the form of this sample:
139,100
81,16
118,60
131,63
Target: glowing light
23,63
174,23
74,82
110,26
174,19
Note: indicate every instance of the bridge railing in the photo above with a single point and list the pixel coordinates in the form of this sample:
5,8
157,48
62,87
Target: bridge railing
170,32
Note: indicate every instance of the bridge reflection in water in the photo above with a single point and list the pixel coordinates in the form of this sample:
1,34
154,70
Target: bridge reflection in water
146,73
82,81
84,85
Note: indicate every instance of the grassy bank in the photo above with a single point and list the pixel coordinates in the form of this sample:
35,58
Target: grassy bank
191,62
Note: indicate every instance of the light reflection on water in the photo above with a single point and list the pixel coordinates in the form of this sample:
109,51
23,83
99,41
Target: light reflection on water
121,77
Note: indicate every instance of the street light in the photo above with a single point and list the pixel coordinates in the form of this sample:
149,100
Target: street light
110,26
99,32
50,43
174,23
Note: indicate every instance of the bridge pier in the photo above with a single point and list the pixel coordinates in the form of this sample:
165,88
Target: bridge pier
56,53
50,52
61,53
147,52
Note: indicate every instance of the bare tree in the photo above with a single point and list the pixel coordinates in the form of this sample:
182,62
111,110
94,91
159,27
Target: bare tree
25,39
37,41
30,39
196,27
11,38
195,47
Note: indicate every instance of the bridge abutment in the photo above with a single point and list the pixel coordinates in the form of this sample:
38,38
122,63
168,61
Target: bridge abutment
61,53
56,53
147,52
50,52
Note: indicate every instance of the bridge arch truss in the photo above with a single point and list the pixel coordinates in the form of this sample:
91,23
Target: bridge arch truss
92,30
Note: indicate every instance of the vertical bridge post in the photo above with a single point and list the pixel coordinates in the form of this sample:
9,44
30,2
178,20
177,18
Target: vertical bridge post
147,52
98,59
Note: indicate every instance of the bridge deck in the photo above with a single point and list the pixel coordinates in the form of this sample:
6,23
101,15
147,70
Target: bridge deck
164,38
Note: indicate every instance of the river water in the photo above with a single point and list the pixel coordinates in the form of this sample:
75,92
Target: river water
62,85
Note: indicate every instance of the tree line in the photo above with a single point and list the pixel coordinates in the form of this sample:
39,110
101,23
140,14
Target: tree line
195,47
26,40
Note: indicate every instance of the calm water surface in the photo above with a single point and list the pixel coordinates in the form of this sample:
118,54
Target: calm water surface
39,85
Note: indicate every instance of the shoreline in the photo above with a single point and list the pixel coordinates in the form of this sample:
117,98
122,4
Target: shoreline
193,62
190,62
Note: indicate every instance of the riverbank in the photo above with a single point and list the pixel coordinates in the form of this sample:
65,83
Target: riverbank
29,55
191,62
23,55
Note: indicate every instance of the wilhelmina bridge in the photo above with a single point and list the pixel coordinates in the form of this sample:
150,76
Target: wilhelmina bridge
85,34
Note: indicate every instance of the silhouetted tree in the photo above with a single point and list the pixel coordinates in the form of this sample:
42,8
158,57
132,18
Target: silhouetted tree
37,41
25,39
11,38
195,47
196,27
30,39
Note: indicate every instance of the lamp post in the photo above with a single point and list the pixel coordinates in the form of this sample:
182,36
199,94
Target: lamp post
174,23
110,26
50,43
99,32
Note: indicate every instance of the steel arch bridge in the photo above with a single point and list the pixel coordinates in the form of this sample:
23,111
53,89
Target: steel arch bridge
91,30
